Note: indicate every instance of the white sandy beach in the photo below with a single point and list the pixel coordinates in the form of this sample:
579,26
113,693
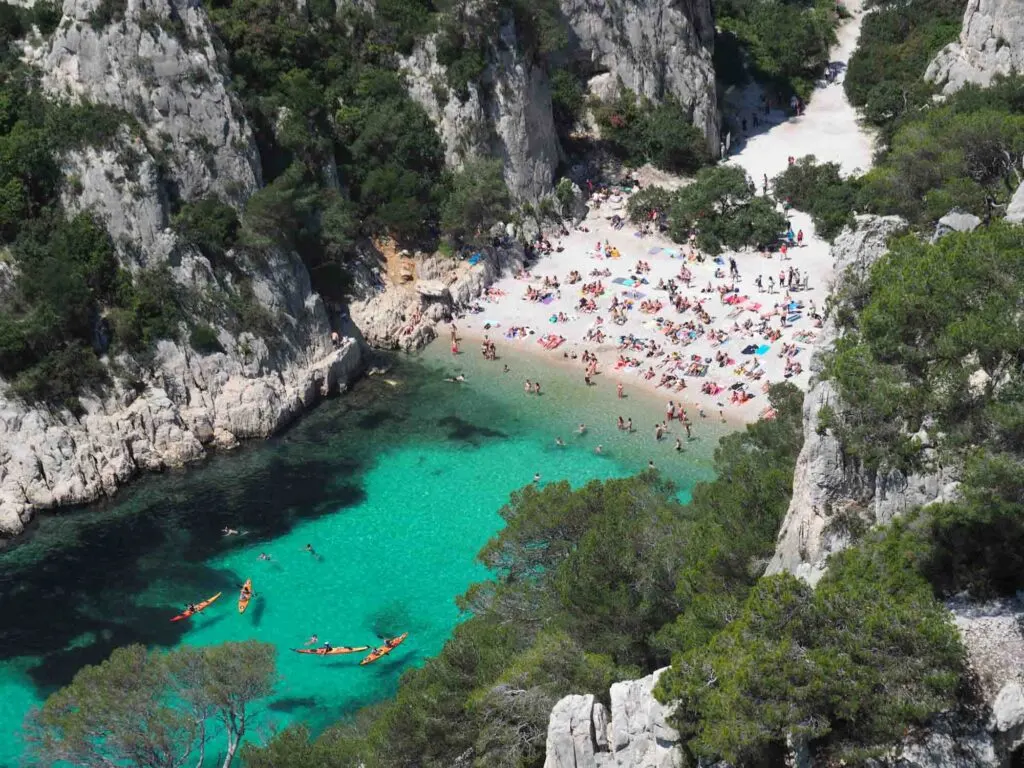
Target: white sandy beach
745,329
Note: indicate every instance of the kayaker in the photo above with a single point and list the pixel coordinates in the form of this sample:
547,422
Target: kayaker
392,642
326,648
246,592
190,608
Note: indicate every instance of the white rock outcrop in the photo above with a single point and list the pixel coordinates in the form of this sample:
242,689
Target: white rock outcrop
660,49
507,113
159,65
1015,209
636,735
991,43
405,317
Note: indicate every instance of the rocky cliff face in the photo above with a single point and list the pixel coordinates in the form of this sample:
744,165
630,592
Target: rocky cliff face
581,734
828,491
660,49
507,113
406,315
991,43
185,139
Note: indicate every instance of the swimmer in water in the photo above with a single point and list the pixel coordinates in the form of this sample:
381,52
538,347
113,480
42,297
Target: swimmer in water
264,556
559,442
507,369
597,449
229,531
583,429
536,477
650,464
460,377
309,548
312,640
679,444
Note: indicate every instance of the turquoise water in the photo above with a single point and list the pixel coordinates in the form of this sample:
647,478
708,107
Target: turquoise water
397,485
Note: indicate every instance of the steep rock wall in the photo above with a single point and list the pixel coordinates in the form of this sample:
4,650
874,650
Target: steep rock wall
827,488
185,138
507,113
659,49
991,43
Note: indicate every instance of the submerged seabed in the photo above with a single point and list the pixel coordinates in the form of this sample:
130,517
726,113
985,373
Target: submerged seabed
397,485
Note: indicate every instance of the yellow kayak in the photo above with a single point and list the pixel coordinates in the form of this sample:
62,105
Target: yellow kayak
245,596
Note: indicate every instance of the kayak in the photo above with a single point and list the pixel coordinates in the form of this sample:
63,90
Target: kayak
333,651
199,607
385,649
243,602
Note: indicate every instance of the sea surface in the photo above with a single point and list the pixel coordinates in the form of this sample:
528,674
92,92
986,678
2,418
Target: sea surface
397,485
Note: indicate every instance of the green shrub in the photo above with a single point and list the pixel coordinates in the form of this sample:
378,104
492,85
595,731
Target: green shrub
477,201
106,13
203,339
897,42
819,190
210,224
637,132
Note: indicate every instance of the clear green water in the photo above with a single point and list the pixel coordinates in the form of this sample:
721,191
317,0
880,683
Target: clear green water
397,485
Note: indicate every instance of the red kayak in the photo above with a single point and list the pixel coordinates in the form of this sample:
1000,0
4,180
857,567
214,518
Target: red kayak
199,607
385,649
333,651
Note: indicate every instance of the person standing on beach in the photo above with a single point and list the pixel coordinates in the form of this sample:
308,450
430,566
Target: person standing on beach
629,425
670,410
657,432
686,426
536,388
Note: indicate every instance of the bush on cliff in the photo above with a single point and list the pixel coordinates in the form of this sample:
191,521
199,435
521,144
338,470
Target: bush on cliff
847,667
586,583
477,200
637,132
898,40
786,43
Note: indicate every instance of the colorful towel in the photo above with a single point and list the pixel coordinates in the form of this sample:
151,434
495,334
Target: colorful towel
547,299
633,294
652,251
763,349
624,281
475,258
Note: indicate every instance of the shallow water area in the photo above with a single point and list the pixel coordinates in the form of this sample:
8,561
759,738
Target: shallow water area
397,485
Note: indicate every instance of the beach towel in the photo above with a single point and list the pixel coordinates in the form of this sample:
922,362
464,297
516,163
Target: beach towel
652,251
624,281
547,299
633,294
793,318
763,349
750,349
672,253
475,258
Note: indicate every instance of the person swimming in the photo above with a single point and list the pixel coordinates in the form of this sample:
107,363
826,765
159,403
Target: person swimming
583,429
229,531
536,477
453,379
263,556
313,640
309,548
559,442
679,444
598,449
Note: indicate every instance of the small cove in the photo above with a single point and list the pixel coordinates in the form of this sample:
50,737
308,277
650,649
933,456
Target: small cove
397,484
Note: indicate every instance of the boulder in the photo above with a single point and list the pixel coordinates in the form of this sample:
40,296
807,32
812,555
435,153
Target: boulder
1015,210
955,221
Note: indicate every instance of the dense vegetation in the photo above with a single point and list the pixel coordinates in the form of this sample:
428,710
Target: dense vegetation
66,273
899,38
719,207
964,153
153,709
784,45
591,585
638,132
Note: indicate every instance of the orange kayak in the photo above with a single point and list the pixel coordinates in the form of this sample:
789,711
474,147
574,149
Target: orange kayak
243,602
333,651
385,649
199,607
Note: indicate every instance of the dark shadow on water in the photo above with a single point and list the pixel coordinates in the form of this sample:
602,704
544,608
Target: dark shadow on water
293,703
464,431
258,609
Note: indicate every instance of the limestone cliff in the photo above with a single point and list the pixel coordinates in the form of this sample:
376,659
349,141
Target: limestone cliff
183,138
506,114
829,492
659,49
991,43
581,734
